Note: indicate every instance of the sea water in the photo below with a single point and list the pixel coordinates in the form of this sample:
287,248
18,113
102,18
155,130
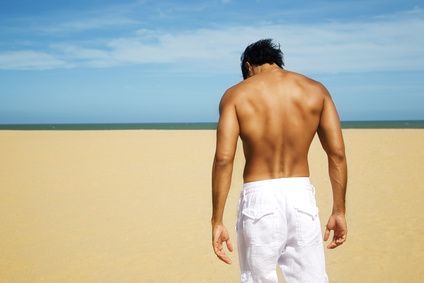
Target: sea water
405,124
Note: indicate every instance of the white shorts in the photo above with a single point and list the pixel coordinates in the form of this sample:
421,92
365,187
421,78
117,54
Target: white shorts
278,224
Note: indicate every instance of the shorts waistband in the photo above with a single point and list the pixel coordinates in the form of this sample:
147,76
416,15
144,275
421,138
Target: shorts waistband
279,183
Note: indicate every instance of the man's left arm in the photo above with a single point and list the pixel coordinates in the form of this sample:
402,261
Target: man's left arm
226,144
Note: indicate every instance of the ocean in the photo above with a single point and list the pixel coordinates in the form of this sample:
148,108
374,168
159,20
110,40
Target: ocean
405,124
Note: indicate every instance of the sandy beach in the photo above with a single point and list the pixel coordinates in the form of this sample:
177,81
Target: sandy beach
135,206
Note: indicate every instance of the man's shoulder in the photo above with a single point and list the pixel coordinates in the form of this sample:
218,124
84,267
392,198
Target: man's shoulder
303,78
234,92
311,84
241,86
228,98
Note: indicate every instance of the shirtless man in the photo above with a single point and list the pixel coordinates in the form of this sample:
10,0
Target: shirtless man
276,113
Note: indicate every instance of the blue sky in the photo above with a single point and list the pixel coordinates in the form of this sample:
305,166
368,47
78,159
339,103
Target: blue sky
170,61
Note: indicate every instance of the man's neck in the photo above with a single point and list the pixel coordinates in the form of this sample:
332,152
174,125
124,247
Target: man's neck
264,68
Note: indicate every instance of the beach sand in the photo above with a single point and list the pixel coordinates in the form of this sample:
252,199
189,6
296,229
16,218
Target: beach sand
135,206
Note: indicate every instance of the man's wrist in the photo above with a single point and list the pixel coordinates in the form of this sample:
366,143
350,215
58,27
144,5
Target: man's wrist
216,221
339,211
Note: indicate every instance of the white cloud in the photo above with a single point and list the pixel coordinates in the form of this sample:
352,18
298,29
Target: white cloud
29,60
383,44
86,24
63,22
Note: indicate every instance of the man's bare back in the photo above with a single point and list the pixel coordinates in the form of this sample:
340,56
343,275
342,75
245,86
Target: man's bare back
278,114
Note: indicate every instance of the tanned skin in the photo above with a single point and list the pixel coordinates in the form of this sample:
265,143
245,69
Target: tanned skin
276,113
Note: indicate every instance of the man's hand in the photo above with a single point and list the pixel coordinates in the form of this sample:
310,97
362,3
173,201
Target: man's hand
220,235
337,223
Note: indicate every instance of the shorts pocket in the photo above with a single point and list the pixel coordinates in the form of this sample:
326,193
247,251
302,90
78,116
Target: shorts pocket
308,229
259,225
256,214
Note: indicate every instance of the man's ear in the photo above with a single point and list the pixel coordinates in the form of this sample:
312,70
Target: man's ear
249,68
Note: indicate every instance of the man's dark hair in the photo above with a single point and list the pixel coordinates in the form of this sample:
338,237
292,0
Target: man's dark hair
261,52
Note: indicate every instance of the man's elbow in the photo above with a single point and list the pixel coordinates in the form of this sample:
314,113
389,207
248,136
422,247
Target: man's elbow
223,160
338,156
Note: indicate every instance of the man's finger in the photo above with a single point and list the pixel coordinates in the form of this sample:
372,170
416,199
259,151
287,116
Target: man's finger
222,256
229,245
341,239
332,245
326,234
217,246
337,241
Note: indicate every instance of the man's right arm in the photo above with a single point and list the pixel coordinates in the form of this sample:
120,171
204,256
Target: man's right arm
330,135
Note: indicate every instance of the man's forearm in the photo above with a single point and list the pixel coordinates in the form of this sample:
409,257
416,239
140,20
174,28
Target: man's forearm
338,176
221,181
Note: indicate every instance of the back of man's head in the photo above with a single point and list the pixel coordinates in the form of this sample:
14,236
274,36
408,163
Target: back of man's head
261,52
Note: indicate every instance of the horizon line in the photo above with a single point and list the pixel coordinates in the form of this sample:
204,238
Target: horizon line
345,124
